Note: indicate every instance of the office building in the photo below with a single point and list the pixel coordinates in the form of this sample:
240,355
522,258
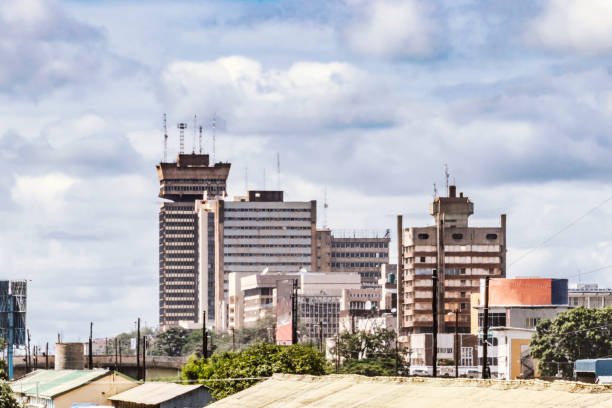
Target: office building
459,254
181,183
589,295
352,253
250,234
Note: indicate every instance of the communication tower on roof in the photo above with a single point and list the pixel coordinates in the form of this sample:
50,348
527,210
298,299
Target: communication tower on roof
195,129
181,127
165,158
201,139
446,176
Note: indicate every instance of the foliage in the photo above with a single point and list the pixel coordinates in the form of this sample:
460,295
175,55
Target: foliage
124,339
575,334
6,397
170,342
370,367
446,362
261,360
3,370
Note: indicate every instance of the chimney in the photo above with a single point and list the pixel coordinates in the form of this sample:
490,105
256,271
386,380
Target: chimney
452,191
461,194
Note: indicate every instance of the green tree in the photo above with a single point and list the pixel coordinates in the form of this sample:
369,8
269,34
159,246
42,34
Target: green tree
261,360
6,397
170,342
371,367
575,334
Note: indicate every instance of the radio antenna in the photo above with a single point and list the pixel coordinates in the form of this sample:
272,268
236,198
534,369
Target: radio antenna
200,139
165,158
195,129
278,173
214,136
181,127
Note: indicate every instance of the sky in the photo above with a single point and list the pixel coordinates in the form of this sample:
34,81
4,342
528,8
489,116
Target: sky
364,99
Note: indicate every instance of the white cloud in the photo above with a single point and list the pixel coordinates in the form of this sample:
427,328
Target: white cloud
44,194
390,29
573,25
305,96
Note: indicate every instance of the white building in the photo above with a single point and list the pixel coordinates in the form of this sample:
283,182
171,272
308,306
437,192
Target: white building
250,234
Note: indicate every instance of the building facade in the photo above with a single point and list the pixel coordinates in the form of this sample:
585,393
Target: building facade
250,234
361,254
182,182
459,254
589,295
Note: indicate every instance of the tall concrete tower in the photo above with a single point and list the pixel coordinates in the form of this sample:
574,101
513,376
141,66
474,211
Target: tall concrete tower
182,182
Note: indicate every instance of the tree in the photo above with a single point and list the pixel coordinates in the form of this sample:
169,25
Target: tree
575,334
370,367
170,342
6,397
261,360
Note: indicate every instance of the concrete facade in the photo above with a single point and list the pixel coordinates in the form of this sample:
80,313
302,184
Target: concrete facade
361,254
257,232
181,182
460,254
589,296
421,357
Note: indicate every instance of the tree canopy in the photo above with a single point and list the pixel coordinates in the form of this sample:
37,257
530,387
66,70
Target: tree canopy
170,342
575,334
7,400
261,360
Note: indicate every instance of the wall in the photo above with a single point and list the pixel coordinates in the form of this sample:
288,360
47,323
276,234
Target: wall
194,399
96,392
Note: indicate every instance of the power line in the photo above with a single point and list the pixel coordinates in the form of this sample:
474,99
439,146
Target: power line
565,228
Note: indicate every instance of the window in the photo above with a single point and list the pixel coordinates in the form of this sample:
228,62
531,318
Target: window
495,319
463,306
457,236
531,322
491,236
422,259
423,236
467,356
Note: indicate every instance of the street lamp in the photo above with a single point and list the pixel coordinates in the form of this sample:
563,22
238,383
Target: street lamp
456,313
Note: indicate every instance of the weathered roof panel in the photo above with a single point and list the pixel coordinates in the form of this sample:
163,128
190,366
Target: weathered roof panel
55,382
153,393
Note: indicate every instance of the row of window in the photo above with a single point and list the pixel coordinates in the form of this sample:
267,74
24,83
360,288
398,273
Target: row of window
193,188
195,181
356,264
266,246
263,254
268,263
269,209
257,227
456,236
359,255
360,245
266,219
267,236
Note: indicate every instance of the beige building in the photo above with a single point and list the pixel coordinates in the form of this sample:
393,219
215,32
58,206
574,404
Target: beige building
460,255
589,295
344,253
62,388
250,234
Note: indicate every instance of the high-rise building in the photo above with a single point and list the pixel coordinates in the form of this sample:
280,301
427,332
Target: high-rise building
361,254
458,254
251,234
182,182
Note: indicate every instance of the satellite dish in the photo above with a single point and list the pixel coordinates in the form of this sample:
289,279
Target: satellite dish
265,271
368,305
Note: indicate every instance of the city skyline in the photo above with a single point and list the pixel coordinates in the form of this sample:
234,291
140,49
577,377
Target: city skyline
515,104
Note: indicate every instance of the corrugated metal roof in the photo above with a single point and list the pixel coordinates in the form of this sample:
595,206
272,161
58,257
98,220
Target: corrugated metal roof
293,391
153,393
55,382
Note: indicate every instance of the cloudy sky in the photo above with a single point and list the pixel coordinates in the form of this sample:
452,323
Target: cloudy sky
367,98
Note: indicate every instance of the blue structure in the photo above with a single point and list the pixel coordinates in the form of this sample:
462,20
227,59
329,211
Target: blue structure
593,368
13,316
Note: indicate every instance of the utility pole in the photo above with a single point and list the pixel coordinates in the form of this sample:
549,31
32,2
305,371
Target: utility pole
28,354
294,313
337,354
321,336
90,345
11,335
116,355
204,336
434,311
144,358
233,339
456,343
47,356
138,374
485,330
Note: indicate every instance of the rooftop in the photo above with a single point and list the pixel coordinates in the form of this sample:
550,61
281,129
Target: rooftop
52,383
290,391
154,393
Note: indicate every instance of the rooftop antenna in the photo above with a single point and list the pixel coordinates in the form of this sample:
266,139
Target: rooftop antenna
181,126
435,190
214,135
446,176
165,140
195,129
278,169
201,139
325,208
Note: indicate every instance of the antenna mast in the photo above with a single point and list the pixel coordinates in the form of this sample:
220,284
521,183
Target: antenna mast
214,129
325,208
165,140
435,190
195,129
278,170
181,126
446,176
200,139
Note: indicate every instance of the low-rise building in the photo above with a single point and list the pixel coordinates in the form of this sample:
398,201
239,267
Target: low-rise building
589,295
421,358
163,395
63,388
